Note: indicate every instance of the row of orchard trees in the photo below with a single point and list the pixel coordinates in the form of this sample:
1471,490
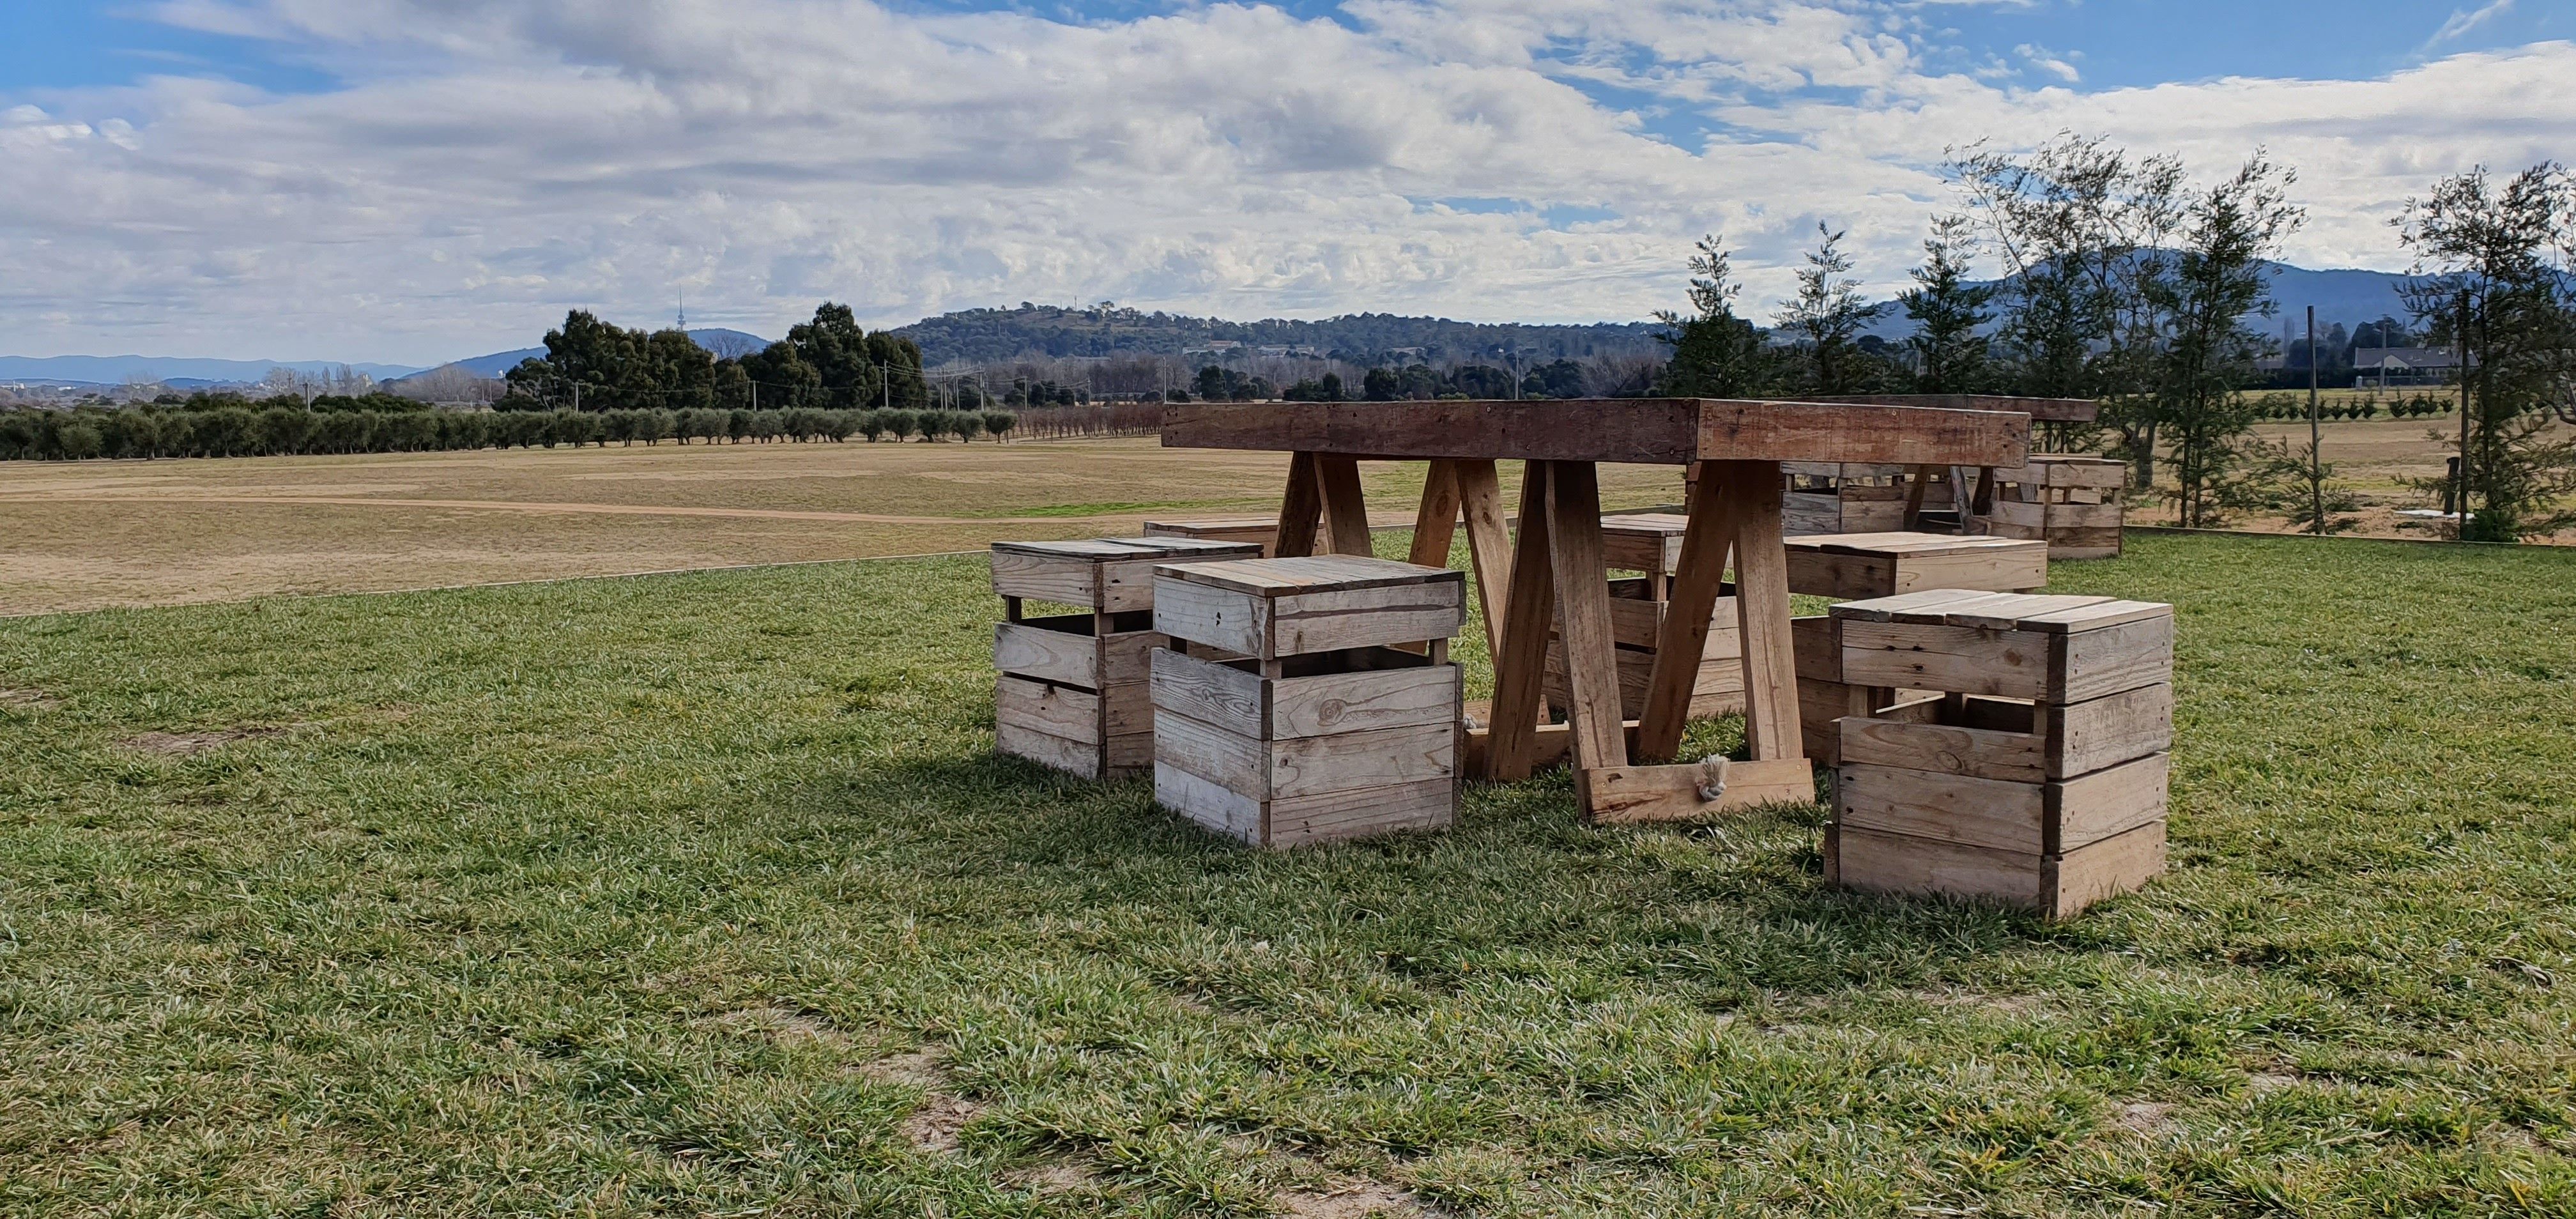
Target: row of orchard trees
252,430
829,363
2128,281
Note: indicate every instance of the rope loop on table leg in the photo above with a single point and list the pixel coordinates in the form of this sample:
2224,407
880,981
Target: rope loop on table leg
1712,778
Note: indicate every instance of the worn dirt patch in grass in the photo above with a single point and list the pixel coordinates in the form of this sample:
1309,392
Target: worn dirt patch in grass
189,744
935,1127
1353,1199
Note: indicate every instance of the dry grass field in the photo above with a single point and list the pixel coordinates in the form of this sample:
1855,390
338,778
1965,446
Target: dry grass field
89,535
99,534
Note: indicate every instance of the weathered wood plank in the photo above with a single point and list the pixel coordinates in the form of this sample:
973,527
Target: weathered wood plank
1078,758
2087,736
1520,666
1037,577
1218,695
2113,866
1235,761
1861,432
1218,617
1427,804
2095,663
1346,527
1301,509
1583,598
1959,659
1210,804
1435,523
2046,410
1355,702
1375,758
1762,608
1664,431
1631,794
1681,638
2018,757
1489,546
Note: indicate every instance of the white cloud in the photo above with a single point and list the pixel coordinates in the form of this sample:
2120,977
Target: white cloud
2059,66
2462,21
488,163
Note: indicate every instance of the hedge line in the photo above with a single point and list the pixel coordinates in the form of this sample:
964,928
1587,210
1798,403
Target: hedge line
248,431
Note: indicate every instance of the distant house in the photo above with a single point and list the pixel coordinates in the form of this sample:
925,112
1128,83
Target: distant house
2380,367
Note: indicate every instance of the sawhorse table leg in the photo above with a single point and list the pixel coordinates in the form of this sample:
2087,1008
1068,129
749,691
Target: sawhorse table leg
1743,513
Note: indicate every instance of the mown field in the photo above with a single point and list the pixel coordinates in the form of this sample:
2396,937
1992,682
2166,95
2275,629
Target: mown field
703,895
94,534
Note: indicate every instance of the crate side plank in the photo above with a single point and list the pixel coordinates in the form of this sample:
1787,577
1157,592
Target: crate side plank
1062,711
1215,694
1214,616
1961,660
1066,581
1231,760
2087,665
1031,650
2120,864
1427,804
2089,808
1354,702
1208,803
2090,735
1309,765
1988,813
1073,757
2017,757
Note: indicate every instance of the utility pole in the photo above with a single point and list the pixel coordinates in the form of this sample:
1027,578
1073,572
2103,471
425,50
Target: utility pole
2464,413
2316,438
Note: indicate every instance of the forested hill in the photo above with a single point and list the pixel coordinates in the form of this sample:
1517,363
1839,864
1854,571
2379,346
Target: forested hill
983,335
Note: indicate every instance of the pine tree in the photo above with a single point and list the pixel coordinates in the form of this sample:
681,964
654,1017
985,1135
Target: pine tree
1948,311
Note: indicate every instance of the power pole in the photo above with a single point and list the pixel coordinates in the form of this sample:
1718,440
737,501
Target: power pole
2464,413
2316,438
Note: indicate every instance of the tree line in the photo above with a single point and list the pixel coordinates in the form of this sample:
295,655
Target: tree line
2130,283
221,426
828,363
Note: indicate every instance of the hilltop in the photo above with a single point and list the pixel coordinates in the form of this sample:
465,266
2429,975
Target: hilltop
984,335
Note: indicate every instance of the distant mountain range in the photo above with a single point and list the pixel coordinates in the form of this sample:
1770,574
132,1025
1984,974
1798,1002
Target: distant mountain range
169,370
2350,297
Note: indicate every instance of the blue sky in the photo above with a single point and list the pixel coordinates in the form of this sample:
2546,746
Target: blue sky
409,180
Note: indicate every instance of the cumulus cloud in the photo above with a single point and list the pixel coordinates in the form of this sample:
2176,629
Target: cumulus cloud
484,164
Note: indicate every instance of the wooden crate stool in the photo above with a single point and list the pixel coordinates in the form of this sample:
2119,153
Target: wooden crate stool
1846,497
1071,688
2035,777
1262,531
1328,726
1858,566
1866,565
1651,543
2072,503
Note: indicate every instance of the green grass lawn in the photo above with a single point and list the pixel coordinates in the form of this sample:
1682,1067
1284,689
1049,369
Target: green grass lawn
704,895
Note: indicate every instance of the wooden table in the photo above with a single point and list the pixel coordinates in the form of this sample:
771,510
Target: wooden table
1552,575
1980,501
